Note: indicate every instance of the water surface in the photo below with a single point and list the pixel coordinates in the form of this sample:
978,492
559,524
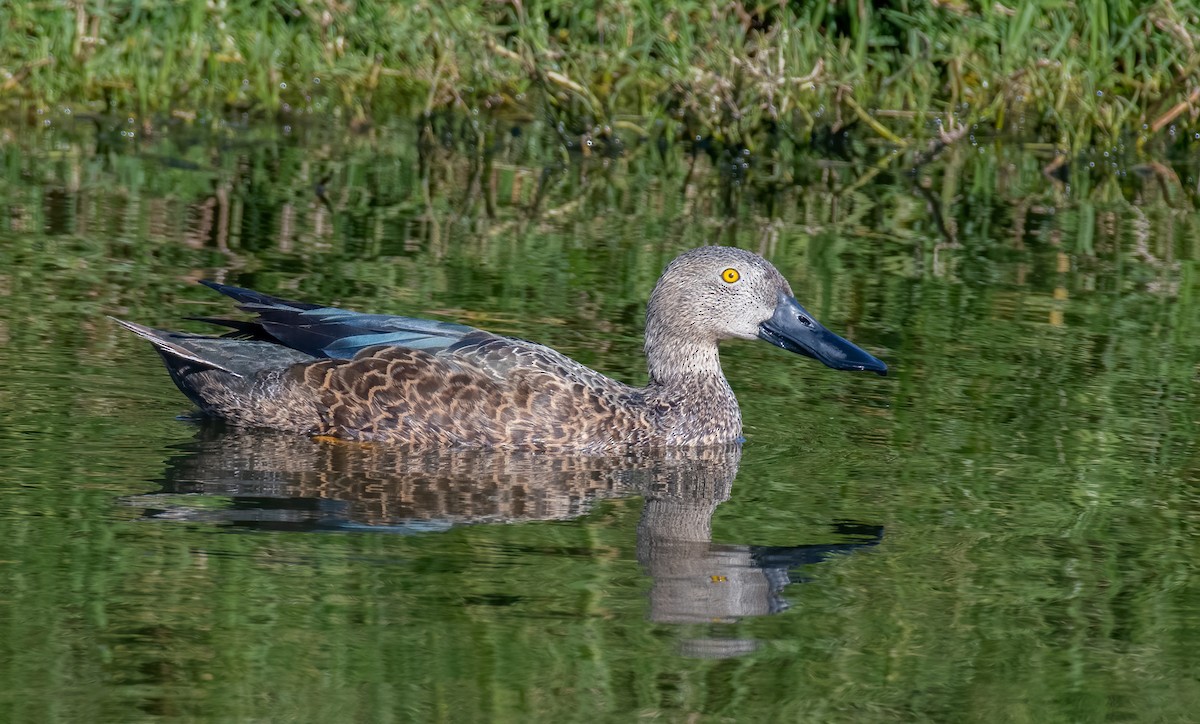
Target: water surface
1004,529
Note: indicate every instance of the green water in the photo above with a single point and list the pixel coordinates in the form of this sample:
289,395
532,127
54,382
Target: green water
1006,528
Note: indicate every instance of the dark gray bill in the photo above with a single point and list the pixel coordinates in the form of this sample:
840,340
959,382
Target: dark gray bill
795,330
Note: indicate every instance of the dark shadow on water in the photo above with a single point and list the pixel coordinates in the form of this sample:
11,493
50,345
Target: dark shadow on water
273,481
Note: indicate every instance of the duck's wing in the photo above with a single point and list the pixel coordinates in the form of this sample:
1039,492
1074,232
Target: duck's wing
507,358
331,332
340,334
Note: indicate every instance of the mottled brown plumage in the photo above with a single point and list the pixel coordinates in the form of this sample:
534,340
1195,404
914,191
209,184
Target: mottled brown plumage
326,371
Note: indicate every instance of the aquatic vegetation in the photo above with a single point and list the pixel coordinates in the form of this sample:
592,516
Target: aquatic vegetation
733,78
1033,459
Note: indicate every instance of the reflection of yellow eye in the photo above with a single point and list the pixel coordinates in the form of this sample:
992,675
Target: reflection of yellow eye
731,275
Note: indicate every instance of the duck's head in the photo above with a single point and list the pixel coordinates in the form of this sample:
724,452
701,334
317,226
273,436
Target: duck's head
717,292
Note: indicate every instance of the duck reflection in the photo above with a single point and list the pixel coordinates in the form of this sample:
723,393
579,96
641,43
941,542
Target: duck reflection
283,481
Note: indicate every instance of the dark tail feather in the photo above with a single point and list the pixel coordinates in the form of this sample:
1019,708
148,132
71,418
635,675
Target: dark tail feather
258,299
242,329
171,349
220,374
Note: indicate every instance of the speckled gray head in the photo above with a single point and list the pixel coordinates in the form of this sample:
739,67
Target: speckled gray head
716,292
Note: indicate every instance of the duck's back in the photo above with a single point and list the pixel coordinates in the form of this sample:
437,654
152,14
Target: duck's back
323,370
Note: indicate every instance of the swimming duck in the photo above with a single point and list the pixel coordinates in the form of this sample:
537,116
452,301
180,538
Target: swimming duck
325,371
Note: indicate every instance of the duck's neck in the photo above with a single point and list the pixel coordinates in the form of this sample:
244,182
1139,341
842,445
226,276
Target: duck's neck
693,401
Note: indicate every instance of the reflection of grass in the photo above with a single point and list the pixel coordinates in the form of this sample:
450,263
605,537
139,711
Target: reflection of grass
757,76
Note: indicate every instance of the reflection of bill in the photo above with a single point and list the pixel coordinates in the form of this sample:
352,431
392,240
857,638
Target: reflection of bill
698,582
284,481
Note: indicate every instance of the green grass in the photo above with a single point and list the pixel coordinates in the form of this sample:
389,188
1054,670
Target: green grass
741,75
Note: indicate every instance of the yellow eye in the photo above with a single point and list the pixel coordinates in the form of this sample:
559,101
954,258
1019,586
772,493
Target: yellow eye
730,275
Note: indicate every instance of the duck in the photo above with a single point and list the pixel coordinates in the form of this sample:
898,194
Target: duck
323,371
